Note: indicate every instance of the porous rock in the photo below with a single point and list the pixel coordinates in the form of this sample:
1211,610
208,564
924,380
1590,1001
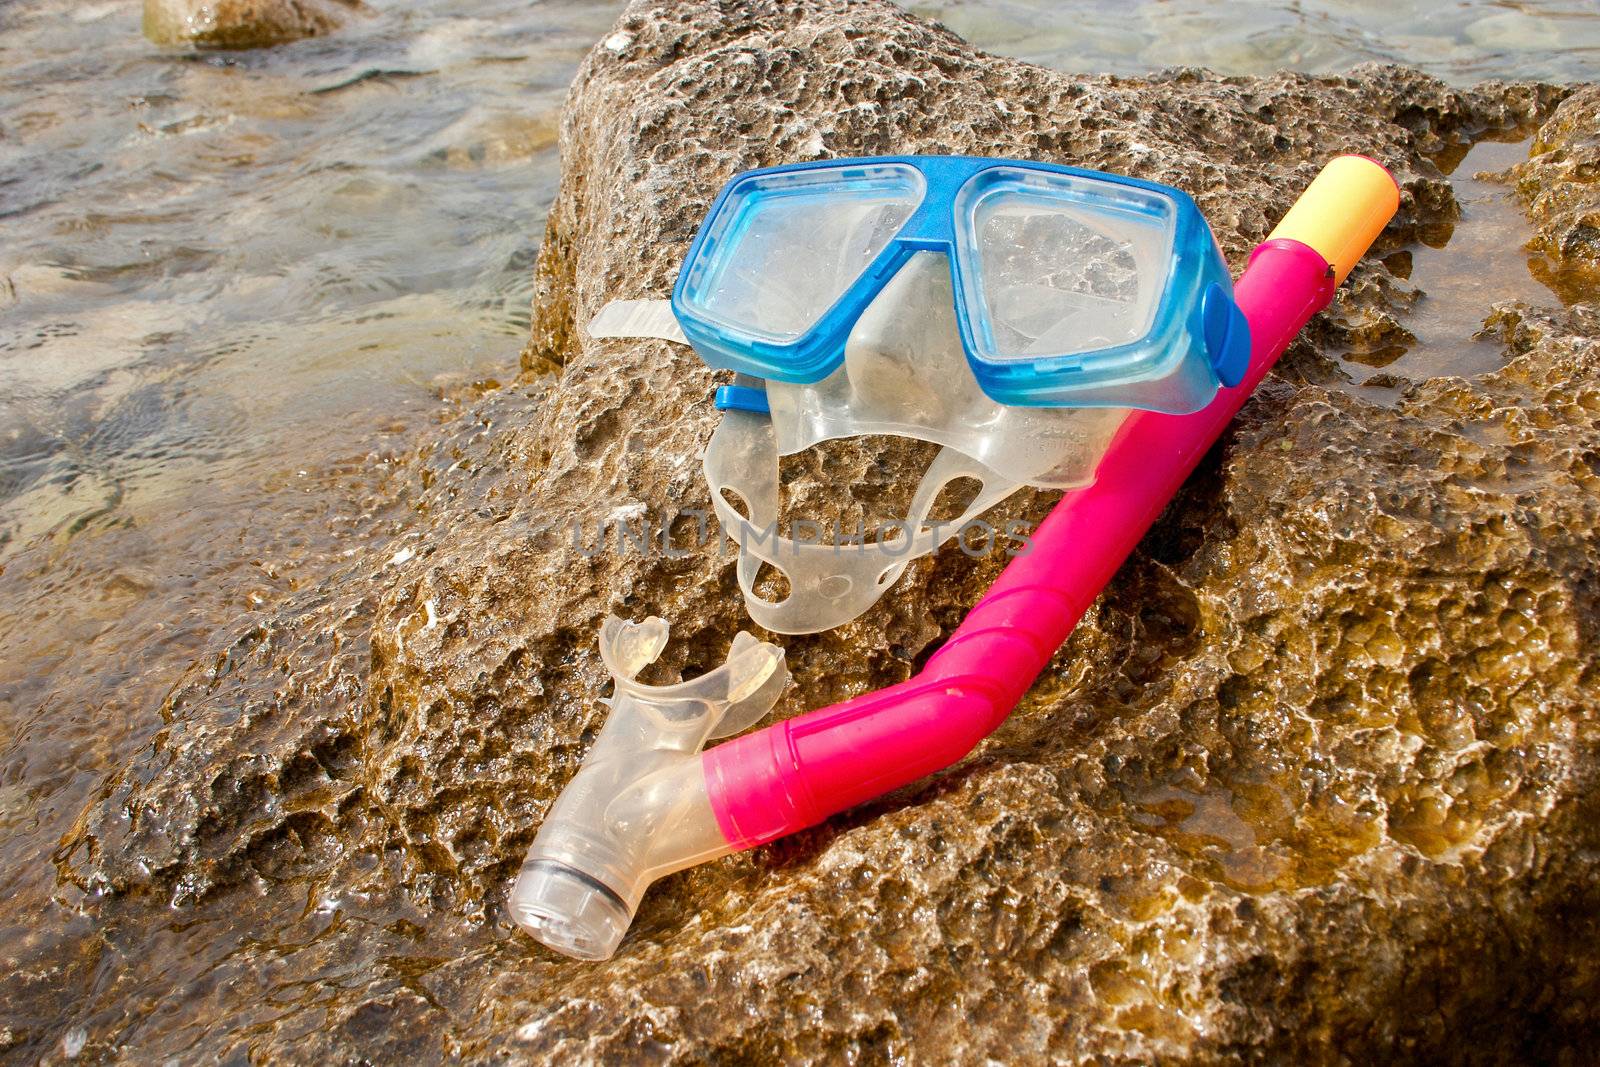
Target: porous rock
1315,781
1561,185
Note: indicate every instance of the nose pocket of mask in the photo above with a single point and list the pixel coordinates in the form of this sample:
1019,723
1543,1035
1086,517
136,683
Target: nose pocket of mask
906,373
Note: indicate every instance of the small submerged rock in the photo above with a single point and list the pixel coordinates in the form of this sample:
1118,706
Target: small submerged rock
243,23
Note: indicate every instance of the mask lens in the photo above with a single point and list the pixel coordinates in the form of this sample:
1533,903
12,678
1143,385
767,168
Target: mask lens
784,247
1066,265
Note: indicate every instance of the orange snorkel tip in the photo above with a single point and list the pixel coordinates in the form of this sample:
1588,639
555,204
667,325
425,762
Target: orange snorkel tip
1342,211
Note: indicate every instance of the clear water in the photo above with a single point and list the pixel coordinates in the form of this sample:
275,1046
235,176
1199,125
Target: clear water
1457,40
212,259
1459,271
233,286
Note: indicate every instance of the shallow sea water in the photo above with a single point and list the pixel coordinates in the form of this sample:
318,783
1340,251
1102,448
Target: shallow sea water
234,285
1457,40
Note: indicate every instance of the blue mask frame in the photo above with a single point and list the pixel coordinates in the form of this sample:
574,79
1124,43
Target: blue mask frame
1196,341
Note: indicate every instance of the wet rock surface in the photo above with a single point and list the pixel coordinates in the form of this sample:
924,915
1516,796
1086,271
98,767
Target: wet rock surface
243,23
1561,185
1315,780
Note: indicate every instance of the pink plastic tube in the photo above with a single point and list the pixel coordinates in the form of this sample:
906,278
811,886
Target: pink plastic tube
796,773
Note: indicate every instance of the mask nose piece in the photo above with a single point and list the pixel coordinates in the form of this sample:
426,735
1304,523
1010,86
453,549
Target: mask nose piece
904,354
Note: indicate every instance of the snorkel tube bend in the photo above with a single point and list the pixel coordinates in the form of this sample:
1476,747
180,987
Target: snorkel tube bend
794,774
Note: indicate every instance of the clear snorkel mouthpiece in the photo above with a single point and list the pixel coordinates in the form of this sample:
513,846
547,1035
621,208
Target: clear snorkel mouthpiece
637,809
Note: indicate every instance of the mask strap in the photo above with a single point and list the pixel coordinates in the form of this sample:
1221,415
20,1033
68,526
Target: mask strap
637,318
831,580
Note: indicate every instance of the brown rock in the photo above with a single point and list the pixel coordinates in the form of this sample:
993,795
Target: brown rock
1561,185
1316,781
243,23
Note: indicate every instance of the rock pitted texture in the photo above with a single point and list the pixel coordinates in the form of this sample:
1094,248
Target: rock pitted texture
243,23
1561,185
1316,781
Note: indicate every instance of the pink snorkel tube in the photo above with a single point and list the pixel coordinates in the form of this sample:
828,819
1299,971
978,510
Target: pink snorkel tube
581,883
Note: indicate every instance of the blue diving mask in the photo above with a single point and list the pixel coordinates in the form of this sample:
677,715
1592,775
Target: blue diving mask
1071,288
1010,311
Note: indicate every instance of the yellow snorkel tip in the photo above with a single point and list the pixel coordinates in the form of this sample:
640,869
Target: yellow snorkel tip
1342,211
